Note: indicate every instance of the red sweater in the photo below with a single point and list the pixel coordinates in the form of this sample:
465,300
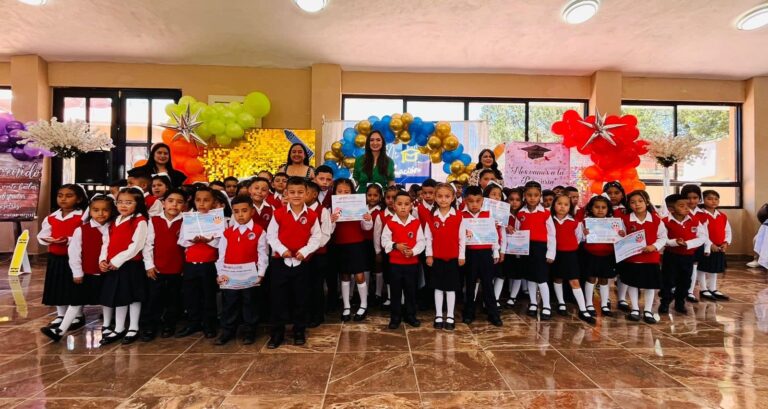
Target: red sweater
121,236
242,247
407,235
375,213
688,230
62,228
716,225
536,222
651,232
91,248
294,234
425,214
171,255
263,217
567,240
348,233
445,236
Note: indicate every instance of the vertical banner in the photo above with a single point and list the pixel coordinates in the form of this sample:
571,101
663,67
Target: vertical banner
19,188
546,163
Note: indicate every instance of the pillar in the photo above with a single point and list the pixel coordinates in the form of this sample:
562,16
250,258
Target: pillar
606,93
326,100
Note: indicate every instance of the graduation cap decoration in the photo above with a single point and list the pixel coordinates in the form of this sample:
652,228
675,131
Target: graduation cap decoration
535,151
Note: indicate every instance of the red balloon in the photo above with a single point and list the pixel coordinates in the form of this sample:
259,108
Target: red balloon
193,167
168,135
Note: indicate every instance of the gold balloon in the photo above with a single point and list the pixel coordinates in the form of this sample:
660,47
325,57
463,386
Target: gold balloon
360,140
443,129
396,125
471,167
349,162
434,142
424,150
330,155
405,137
450,143
463,178
336,147
397,116
456,167
406,118
364,127
450,178
436,157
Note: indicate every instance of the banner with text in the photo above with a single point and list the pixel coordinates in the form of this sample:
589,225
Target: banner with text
19,188
546,163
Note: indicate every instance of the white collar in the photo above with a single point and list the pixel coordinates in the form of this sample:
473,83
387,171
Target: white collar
145,193
696,210
120,220
263,205
685,219
278,195
451,212
473,215
243,227
715,214
95,224
295,216
169,221
648,218
567,217
388,212
373,209
539,208
57,214
408,221
428,206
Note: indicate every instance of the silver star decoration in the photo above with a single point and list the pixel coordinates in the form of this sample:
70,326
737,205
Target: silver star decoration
185,126
600,129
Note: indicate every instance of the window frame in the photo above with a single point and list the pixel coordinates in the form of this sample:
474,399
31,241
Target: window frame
738,183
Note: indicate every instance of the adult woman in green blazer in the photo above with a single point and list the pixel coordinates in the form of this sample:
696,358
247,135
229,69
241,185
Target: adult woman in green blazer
374,166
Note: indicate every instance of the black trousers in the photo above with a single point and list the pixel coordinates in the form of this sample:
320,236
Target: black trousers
236,304
163,300
676,273
403,278
331,276
288,296
200,288
316,304
479,264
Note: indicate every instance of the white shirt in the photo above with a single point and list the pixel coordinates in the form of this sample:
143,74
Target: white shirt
312,244
661,232
415,210
551,233
45,228
75,249
156,208
321,195
386,236
137,242
148,254
261,248
429,251
378,226
463,232
326,227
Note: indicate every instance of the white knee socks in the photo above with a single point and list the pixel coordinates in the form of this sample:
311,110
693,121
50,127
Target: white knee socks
362,290
621,288
120,314
379,284
648,295
439,304
604,294
589,293
135,313
532,292
345,292
634,297
694,274
73,311
712,278
559,293
544,290
450,303
107,313
61,310
514,288
702,281
498,285
579,296
389,294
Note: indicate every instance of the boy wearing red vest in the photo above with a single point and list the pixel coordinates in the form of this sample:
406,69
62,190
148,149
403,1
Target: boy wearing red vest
678,259
242,245
259,192
278,186
403,239
294,234
164,272
324,180
320,267
423,212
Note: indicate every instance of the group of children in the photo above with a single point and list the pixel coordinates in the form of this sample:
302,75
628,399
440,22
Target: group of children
129,253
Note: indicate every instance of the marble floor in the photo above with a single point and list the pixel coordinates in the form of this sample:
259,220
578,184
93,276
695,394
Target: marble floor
717,356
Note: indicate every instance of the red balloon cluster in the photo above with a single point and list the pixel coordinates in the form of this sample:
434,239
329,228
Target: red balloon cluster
611,162
184,157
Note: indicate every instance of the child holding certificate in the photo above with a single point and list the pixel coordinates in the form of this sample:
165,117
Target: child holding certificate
643,270
719,231
480,258
618,197
349,240
599,261
242,263
496,192
444,244
536,219
514,270
566,265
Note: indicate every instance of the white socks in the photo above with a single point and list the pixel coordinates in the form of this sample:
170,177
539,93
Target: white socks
345,292
579,296
544,290
107,313
514,288
621,288
73,311
450,301
633,297
439,304
379,284
532,292
712,278
389,294
559,293
362,290
135,309
702,281
61,310
589,293
604,294
648,295
477,287
498,285
120,314
694,274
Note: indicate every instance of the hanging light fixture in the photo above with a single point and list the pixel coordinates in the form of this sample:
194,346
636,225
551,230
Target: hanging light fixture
34,2
311,6
754,18
579,11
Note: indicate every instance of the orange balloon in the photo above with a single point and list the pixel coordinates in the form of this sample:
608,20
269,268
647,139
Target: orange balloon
194,166
168,135
629,173
195,178
179,161
140,162
592,172
192,150
499,150
639,185
596,187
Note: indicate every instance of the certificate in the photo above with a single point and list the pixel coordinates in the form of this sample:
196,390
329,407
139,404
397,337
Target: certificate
499,211
694,243
240,275
629,246
481,231
211,224
603,230
518,243
350,207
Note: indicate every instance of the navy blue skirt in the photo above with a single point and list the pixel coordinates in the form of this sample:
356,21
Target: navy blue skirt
125,285
536,267
714,263
640,275
352,257
58,288
599,266
566,265
445,275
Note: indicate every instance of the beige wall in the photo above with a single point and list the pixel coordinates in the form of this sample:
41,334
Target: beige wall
302,98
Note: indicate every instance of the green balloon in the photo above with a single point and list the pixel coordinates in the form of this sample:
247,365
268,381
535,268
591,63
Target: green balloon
208,114
257,104
197,106
186,100
219,107
217,127
228,116
170,108
223,140
234,131
246,120
203,131
235,107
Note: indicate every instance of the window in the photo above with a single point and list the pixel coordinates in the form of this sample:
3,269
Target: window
436,110
357,109
716,126
6,97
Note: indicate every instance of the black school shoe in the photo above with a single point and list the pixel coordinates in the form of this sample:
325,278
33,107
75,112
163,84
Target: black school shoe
720,296
438,324
55,323
299,338
112,337
707,295
210,332
249,338
450,324
648,318
691,298
532,311
187,331
51,333
606,311
586,317
167,332
224,338
275,340
495,321
562,310
130,337
77,323
412,321
634,316
680,308
393,324
624,306
546,314
148,335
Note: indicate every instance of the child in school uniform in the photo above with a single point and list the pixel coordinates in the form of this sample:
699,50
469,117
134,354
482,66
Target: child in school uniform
243,244
422,210
294,235
599,261
350,250
163,262
618,197
278,187
55,232
480,261
444,243
199,285
124,282
230,186
643,270
382,259
141,179
320,264
720,236
161,184
514,269
692,194
543,247
402,238
677,263
83,251
496,192
324,180
258,190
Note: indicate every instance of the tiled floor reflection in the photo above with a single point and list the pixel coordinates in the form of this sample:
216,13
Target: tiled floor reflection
715,357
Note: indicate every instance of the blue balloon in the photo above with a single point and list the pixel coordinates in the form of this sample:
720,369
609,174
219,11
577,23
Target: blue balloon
389,136
343,173
373,119
429,128
349,134
421,139
458,151
465,159
415,129
386,119
359,151
447,167
449,156
332,164
412,142
348,149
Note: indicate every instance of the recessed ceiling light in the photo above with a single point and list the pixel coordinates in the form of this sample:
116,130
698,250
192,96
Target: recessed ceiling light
311,6
579,11
753,19
34,2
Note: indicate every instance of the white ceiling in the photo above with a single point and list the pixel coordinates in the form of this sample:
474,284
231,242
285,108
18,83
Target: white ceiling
691,38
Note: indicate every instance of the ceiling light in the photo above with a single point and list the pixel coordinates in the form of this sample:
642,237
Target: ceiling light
579,11
311,6
753,19
34,2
